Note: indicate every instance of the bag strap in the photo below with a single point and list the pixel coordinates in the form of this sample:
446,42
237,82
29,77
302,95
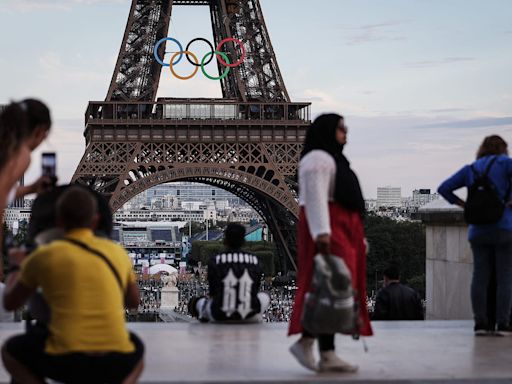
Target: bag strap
487,168
100,255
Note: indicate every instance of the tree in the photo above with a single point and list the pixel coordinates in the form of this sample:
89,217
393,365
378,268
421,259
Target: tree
402,242
194,226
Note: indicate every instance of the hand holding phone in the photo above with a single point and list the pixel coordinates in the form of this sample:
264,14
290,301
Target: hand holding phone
49,165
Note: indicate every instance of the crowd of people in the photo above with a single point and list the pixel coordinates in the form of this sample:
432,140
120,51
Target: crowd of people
150,294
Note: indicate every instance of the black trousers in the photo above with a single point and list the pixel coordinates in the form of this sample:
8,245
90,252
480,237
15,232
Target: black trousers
325,340
111,367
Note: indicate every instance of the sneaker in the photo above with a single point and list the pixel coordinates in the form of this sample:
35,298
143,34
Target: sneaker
303,352
330,362
503,330
482,329
192,306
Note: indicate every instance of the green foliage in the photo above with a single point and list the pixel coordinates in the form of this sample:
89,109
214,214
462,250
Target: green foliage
402,242
195,228
266,252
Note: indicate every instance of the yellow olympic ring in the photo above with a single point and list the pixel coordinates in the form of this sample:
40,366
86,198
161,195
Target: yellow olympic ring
174,72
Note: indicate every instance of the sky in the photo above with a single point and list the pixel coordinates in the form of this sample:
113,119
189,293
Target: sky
420,82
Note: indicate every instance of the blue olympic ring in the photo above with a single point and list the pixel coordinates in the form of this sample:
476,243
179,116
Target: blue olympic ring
157,45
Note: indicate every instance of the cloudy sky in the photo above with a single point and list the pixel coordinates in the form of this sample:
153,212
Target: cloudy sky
420,82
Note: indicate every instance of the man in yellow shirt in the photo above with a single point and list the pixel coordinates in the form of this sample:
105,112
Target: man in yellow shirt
86,281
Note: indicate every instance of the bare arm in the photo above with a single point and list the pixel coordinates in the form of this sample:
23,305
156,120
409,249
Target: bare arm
16,293
132,297
40,185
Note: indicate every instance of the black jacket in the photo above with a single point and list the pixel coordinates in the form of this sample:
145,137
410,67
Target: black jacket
398,302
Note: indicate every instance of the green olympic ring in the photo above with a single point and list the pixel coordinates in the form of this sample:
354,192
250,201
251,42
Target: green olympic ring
226,71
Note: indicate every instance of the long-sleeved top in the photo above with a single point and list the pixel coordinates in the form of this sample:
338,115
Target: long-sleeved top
398,302
317,172
500,174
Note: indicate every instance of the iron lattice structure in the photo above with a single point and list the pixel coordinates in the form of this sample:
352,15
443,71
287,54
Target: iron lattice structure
248,142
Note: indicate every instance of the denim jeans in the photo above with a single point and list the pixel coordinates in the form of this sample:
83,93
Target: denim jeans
497,243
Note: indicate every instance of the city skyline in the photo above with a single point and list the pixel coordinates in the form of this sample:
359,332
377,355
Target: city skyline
420,83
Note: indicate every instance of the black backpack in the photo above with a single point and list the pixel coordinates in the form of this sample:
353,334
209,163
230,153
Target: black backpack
484,205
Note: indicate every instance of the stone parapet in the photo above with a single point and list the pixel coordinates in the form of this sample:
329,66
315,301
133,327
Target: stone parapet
449,262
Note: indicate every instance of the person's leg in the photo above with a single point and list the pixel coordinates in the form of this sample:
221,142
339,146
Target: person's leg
200,308
204,307
329,361
326,342
302,350
264,299
482,254
139,357
22,356
491,296
504,283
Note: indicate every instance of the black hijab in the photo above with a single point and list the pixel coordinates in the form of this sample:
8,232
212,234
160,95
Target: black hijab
321,135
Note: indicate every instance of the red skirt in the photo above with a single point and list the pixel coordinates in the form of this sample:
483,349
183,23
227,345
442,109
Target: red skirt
347,241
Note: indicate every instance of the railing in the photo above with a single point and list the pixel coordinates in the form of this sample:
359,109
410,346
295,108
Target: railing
182,110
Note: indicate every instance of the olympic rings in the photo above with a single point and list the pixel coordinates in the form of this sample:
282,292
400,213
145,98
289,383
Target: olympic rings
157,45
184,77
226,71
207,42
236,64
222,57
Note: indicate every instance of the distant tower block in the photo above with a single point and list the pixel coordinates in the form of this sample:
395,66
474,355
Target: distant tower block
248,142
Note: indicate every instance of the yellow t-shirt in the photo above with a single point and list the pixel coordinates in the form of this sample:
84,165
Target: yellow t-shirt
85,300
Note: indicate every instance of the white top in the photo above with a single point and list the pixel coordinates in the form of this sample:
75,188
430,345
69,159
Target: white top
317,173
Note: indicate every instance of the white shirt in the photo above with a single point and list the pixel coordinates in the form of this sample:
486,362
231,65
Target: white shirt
317,173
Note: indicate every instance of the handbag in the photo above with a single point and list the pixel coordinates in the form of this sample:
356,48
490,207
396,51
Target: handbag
329,305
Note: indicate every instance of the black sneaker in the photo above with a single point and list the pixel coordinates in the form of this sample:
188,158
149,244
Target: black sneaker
503,330
481,329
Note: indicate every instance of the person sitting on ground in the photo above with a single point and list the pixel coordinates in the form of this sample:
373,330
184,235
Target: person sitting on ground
234,278
396,301
86,281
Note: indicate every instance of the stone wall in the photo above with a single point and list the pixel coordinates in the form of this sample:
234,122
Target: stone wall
449,262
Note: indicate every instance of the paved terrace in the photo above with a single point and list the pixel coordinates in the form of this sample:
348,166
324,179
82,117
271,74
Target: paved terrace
401,352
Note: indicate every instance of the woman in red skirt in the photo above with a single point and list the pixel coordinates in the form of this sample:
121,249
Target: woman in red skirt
331,206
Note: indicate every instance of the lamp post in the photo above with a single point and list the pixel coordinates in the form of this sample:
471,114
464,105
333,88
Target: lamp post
189,222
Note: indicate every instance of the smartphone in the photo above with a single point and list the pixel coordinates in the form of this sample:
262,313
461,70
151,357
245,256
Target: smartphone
49,165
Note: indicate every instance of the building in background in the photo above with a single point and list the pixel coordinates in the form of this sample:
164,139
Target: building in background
150,243
370,204
421,197
389,197
185,191
14,216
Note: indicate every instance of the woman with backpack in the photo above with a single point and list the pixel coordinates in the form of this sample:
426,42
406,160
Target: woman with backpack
489,216
330,222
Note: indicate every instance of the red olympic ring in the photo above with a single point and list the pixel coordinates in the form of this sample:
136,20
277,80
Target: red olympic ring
236,63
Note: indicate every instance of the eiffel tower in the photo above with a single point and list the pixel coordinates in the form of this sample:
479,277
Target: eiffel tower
247,142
